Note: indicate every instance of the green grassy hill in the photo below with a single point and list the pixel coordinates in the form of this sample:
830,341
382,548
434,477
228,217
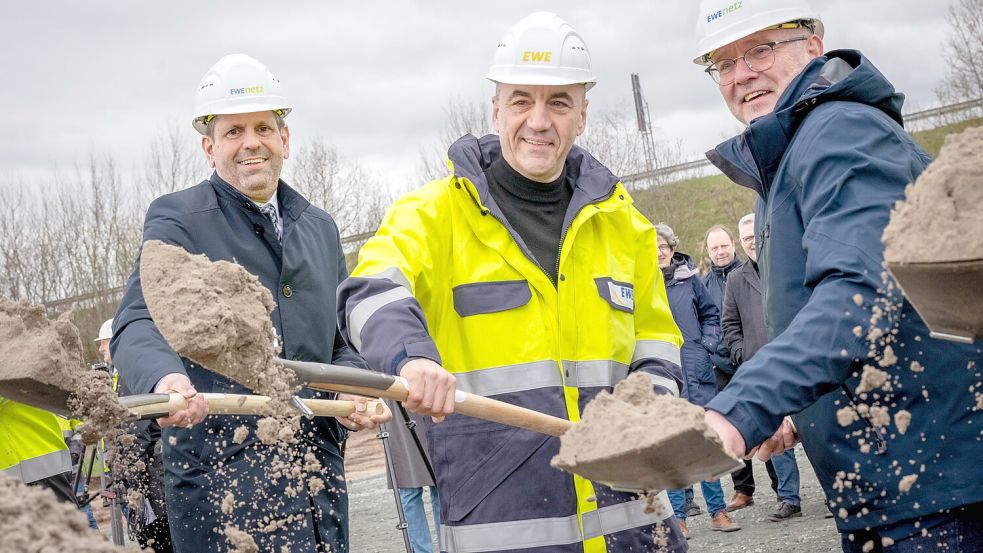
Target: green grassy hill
692,206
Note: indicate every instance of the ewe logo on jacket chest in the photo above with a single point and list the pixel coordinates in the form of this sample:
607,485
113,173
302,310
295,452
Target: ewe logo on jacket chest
622,295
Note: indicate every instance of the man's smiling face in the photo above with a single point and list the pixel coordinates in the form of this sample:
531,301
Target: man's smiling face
537,126
755,93
247,150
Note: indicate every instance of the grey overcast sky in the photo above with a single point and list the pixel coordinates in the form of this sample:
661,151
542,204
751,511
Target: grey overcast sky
373,77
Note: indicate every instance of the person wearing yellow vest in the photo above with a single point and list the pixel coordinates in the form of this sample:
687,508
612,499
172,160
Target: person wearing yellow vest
525,275
33,450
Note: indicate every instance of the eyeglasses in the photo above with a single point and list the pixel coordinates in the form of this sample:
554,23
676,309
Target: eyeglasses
758,58
665,248
748,239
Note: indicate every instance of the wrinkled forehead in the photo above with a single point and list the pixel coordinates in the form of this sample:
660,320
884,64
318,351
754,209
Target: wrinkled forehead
738,47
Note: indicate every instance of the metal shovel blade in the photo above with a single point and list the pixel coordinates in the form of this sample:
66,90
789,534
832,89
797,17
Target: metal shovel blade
946,295
36,394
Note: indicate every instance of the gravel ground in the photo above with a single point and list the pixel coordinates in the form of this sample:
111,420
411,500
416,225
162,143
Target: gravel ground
373,519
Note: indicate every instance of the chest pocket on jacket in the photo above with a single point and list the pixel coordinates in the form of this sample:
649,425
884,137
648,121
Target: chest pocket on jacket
490,297
619,295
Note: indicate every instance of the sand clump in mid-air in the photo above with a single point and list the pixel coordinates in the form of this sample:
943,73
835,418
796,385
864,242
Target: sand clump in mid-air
216,314
33,519
942,207
43,365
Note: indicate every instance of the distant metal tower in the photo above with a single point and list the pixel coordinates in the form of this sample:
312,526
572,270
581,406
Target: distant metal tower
644,123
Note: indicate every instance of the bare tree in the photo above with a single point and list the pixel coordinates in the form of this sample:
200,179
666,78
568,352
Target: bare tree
353,196
173,162
613,138
963,50
461,117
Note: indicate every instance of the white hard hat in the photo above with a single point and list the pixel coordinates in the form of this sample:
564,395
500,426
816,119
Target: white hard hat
721,22
237,83
105,331
542,49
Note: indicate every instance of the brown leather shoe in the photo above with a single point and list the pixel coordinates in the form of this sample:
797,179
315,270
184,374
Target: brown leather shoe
740,501
684,528
722,522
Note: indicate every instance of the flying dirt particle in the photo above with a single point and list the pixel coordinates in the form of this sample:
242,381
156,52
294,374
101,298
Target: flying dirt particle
842,513
240,434
871,379
886,542
172,440
847,416
868,546
240,541
907,482
916,367
879,415
858,299
902,419
979,402
267,430
228,503
315,485
888,358
858,331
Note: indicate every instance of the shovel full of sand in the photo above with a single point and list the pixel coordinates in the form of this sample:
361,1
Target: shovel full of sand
218,315
934,240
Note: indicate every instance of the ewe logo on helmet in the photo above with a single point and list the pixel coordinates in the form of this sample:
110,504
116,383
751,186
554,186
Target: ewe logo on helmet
246,90
724,11
537,56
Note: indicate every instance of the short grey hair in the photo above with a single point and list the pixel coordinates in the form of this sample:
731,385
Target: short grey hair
746,220
665,231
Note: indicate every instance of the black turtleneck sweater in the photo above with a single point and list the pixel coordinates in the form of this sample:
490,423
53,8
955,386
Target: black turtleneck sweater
535,210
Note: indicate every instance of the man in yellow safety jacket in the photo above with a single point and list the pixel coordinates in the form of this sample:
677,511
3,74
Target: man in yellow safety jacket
33,450
526,275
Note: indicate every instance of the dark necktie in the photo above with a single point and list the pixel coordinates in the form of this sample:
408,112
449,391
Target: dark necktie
270,211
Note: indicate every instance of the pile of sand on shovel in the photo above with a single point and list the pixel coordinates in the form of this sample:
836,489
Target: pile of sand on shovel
32,519
216,314
940,219
636,436
43,360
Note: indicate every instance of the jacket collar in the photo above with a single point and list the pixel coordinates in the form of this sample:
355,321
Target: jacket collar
292,204
680,268
751,275
725,270
751,159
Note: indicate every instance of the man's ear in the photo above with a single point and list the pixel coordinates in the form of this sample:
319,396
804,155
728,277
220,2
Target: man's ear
208,147
285,136
495,112
814,46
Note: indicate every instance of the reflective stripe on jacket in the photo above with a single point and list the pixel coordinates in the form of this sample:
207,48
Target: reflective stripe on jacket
447,278
31,444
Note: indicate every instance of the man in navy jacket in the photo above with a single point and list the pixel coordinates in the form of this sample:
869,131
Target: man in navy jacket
245,213
887,414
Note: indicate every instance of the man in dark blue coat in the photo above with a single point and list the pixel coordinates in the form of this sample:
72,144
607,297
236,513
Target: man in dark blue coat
886,413
698,320
245,213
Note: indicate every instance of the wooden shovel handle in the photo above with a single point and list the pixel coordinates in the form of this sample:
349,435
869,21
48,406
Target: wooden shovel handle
479,407
240,404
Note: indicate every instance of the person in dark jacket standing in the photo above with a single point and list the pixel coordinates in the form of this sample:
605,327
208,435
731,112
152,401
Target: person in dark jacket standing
719,244
744,332
699,321
246,214
887,414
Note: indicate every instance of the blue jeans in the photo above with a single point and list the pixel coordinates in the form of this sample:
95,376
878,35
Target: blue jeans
962,532
416,517
712,493
87,510
788,476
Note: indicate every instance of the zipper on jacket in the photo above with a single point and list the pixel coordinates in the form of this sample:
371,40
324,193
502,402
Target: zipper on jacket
563,235
878,437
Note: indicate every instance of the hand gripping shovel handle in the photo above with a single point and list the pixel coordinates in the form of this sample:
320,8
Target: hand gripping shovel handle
335,378
151,406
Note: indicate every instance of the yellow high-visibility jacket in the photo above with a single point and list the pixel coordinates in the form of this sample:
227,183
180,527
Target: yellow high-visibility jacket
446,278
31,443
